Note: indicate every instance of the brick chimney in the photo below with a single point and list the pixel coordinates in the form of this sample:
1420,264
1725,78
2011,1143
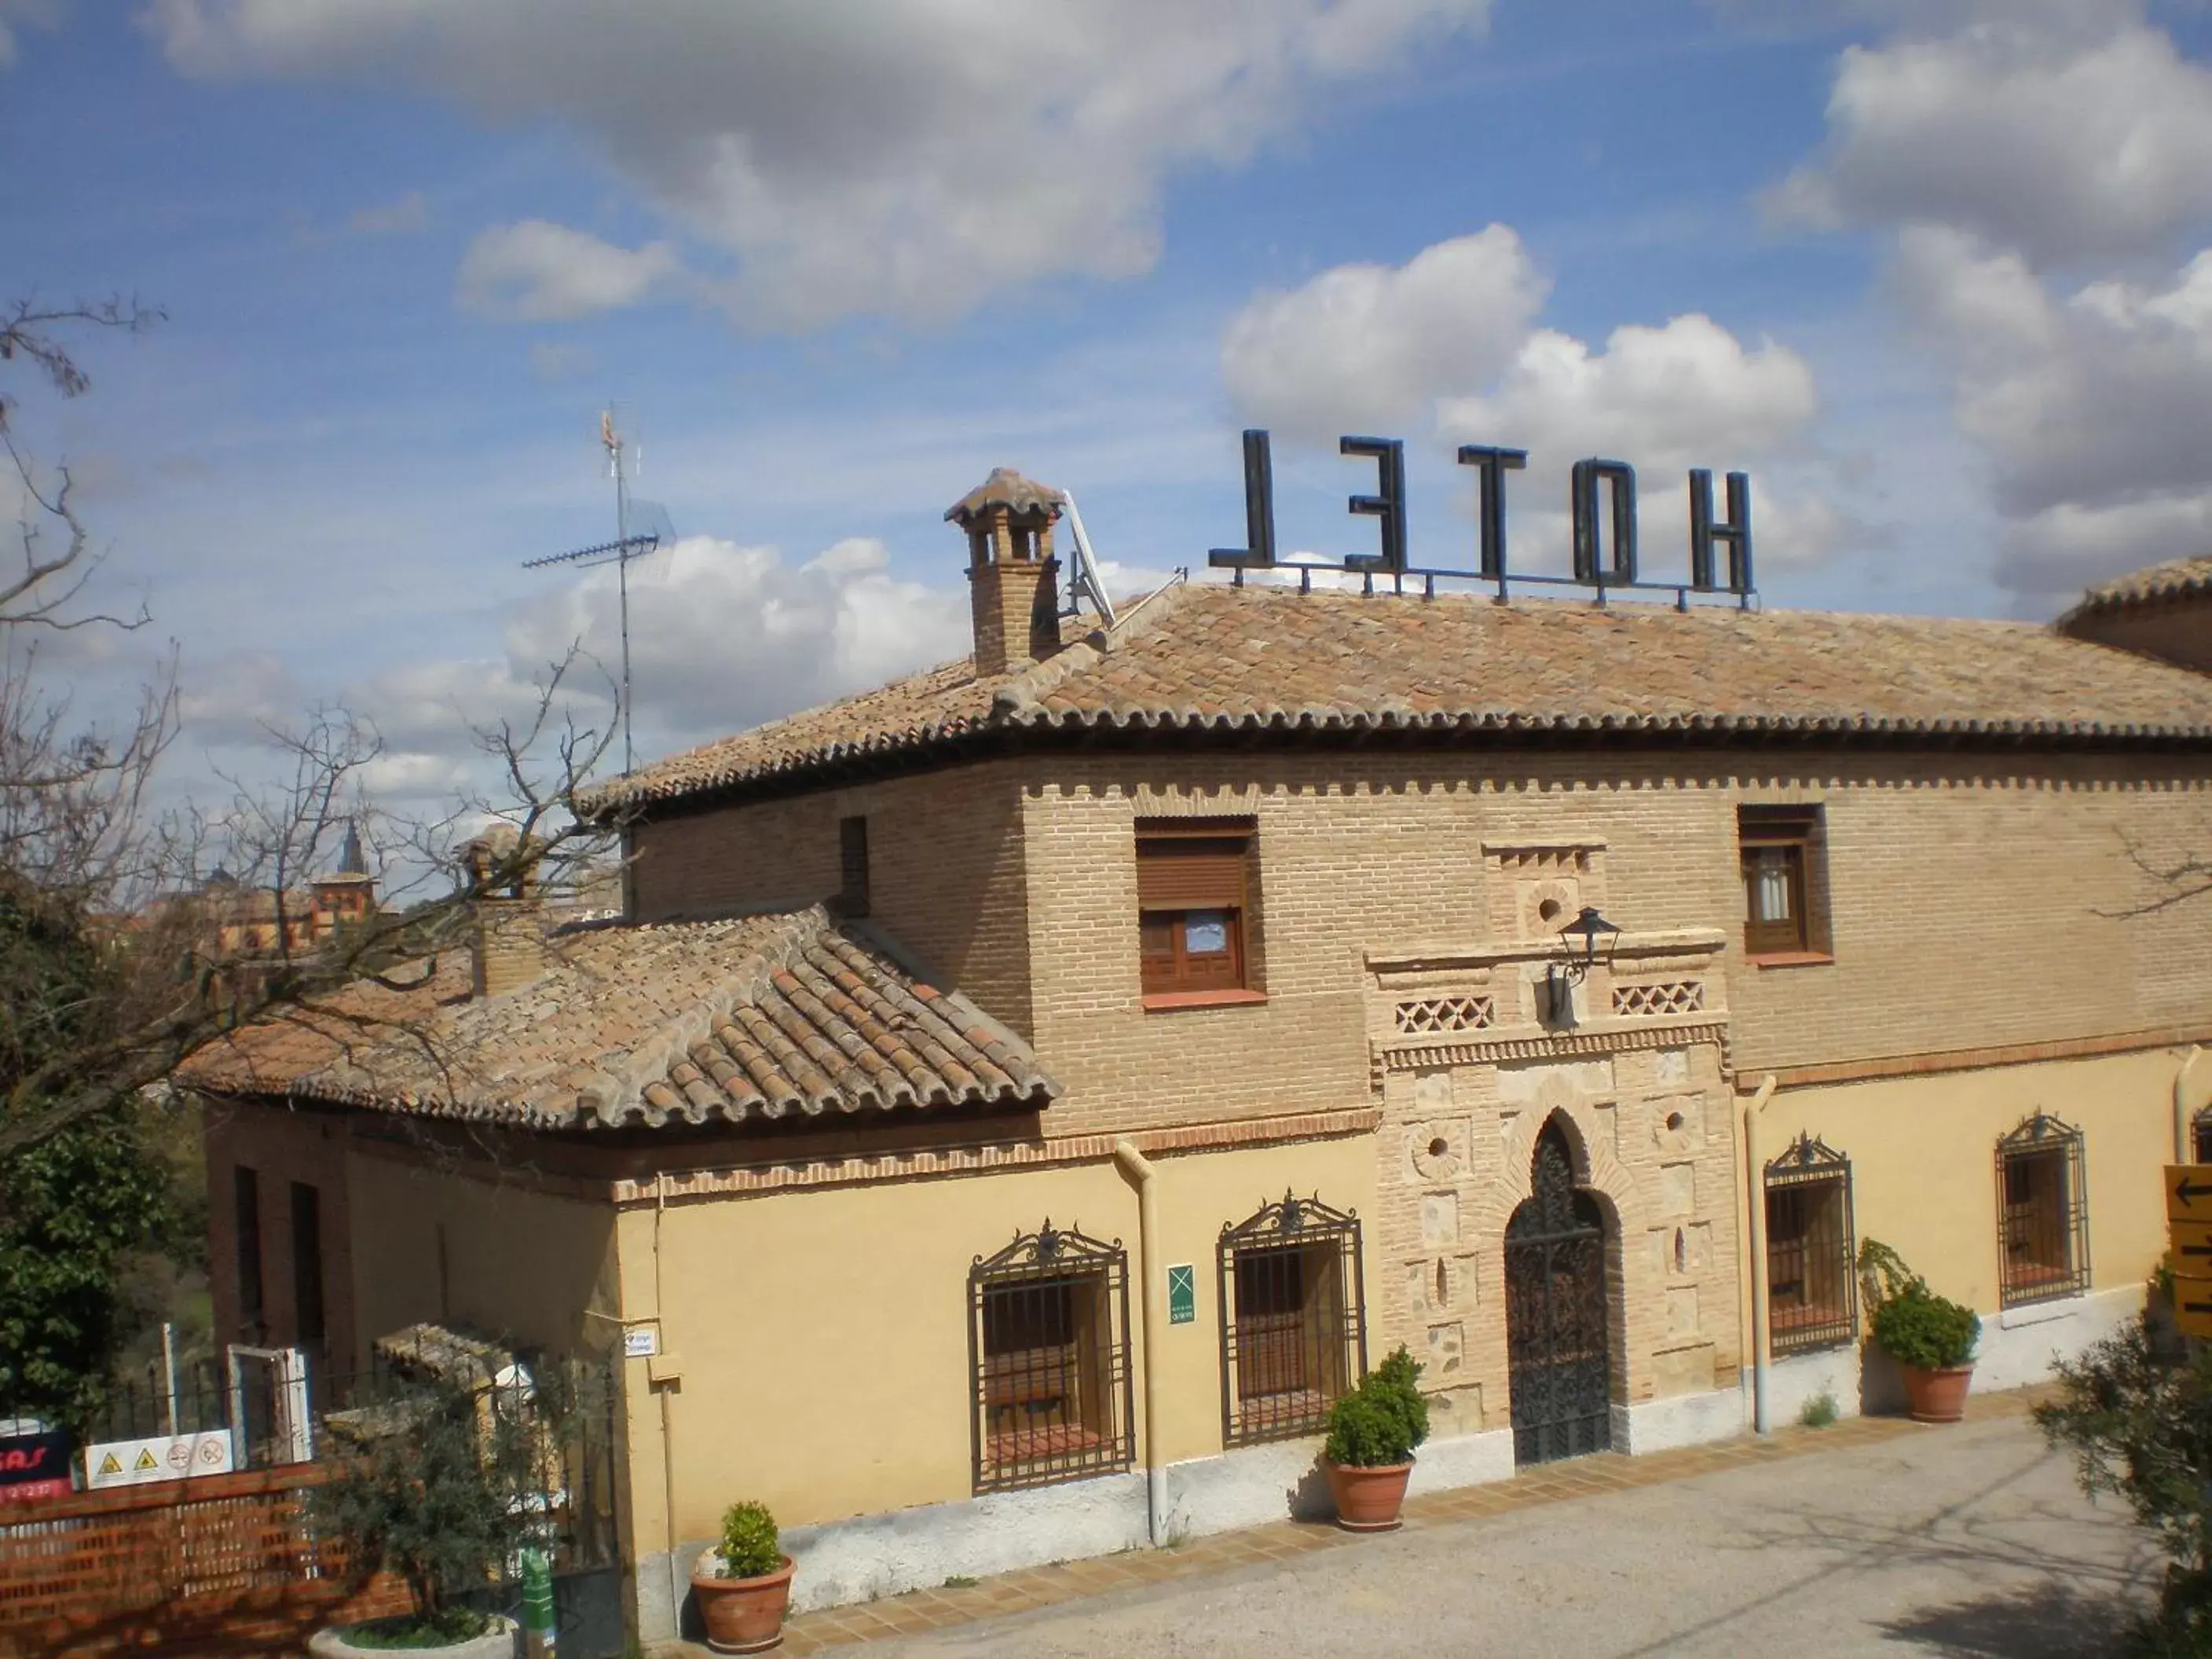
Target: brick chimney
1013,581
508,943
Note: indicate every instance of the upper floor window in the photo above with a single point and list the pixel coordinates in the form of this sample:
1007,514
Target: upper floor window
1048,1336
1811,1292
1780,847
1293,1336
1193,903
2043,1213
246,1191
307,1263
853,866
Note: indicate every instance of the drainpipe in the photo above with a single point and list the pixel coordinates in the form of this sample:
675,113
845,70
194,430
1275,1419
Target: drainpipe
2184,1151
667,1416
1761,1417
1139,1169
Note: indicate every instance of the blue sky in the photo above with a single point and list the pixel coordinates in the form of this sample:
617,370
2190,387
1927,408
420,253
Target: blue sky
1924,269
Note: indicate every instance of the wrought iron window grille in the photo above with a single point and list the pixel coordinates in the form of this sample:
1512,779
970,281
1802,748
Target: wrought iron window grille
1053,1394
1812,1278
1293,1298
2042,1213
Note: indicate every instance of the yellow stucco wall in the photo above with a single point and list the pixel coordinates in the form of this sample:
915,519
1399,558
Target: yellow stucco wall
822,1336
1923,1159
515,1263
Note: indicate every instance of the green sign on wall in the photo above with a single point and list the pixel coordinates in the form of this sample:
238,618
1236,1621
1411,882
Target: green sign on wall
1183,1296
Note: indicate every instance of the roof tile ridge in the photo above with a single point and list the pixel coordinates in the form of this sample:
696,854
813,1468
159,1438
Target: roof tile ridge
622,1088
1025,690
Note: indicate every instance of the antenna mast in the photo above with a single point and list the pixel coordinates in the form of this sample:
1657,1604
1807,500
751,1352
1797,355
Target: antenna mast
618,553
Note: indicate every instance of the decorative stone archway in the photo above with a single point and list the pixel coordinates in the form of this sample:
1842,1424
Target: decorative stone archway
1469,1078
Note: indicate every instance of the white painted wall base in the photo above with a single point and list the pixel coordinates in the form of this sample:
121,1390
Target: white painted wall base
1794,1383
2017,1349
872,1556
1464,1459
1683,1420
2018,1345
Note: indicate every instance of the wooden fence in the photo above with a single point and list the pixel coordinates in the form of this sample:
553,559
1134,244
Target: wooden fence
225,1563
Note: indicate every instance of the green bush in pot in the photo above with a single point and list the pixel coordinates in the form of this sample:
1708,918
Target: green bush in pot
749,1546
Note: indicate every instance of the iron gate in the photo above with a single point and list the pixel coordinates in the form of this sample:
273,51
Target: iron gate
1558,1363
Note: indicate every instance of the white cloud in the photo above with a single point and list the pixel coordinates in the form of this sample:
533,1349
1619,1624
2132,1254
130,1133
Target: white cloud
1370,347
900,157
538,271
1687,394
408,216
2069,131
2090,408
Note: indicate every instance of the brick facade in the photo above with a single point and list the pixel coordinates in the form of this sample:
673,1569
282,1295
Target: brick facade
947,870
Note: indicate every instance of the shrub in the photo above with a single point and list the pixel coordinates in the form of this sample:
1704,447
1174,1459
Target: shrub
1819,1412
749,1541
1927,1331
444,1485
1380,1422
1911,1324
2138,1418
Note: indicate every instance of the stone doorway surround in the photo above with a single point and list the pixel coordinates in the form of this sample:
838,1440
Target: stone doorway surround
1468,1074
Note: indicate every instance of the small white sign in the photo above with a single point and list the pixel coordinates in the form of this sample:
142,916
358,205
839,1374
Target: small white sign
641,1341
163,1457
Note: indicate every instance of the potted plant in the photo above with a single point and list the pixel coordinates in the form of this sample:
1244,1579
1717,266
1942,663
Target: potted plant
1930,1337
743,1585
441,1483
1372,1432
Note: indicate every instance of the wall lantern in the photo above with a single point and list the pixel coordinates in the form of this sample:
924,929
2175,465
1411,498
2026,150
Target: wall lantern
1592,934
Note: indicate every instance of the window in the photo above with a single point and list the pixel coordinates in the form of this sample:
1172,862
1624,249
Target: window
2200,1136
1811,1288
1048,1336
853,866
247,1199
1779,844
2043,1213
307,1263
1192,903
1292,1334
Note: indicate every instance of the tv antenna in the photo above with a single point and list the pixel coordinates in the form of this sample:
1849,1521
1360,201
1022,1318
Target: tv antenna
653,529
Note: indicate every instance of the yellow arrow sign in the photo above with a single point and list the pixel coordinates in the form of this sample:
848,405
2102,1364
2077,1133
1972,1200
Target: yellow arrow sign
2189,1192
2193,1307
2191,1244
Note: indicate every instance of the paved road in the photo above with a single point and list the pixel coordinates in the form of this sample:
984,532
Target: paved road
1970,1541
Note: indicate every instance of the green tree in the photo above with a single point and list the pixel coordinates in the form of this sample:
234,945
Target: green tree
78,1207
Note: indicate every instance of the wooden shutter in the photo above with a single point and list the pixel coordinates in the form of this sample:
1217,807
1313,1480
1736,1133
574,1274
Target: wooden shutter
1191,872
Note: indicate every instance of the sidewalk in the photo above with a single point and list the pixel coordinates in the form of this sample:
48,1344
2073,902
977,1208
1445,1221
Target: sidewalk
956,1604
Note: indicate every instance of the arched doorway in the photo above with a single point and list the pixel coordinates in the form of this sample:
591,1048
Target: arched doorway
1556,1323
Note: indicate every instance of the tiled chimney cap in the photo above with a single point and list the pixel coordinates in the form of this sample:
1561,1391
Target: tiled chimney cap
1004,487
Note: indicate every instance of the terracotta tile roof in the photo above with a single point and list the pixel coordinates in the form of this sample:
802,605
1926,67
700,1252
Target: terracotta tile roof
1215,657
760,1016
2177,579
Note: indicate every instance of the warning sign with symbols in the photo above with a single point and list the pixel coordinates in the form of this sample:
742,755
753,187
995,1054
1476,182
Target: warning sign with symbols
164,1457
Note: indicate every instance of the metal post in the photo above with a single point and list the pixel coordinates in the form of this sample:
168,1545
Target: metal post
169,1378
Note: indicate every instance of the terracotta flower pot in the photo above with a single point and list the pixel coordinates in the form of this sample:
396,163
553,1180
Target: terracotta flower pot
742,1615
1938,1397
1368,1500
